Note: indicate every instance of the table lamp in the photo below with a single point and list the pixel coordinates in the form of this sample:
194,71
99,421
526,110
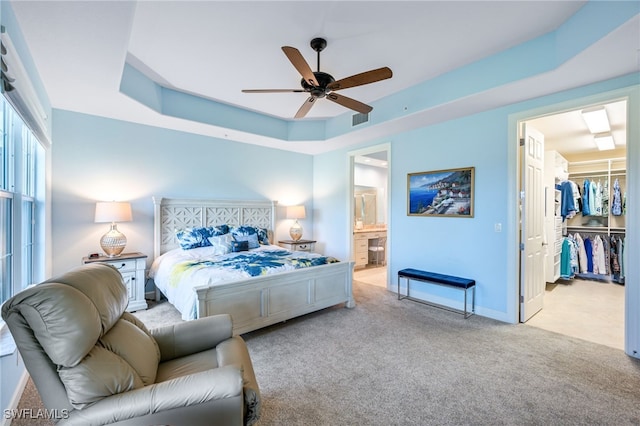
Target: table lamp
295,212
114,241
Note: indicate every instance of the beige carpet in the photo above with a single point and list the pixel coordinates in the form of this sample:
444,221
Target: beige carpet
390,362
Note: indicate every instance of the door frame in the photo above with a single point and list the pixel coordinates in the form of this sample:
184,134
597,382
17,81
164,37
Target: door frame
632,291
350,203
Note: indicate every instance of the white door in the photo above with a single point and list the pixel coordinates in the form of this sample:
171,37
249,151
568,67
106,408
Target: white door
532,282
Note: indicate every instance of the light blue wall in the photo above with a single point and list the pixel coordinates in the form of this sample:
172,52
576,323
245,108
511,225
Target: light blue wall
97,159
463,247
456,246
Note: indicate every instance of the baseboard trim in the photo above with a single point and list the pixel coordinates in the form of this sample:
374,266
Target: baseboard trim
15,399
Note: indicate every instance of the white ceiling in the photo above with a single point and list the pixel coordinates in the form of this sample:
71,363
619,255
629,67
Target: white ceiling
215,49
567,132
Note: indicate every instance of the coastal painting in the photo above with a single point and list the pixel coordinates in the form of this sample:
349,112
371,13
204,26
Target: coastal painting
441,193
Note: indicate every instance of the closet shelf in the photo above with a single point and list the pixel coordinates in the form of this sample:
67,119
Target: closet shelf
589,228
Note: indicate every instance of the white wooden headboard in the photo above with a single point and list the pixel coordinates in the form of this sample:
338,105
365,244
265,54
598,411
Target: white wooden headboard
173,214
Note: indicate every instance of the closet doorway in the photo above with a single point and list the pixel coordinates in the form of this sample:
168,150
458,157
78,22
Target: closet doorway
369,214
584,224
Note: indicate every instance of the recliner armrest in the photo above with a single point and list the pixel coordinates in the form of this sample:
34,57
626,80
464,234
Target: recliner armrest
191,337
198,388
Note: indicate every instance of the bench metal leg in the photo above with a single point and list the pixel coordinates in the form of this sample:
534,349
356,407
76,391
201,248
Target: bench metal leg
464,312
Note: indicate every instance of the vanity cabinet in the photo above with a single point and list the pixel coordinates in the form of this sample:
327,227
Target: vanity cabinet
361,245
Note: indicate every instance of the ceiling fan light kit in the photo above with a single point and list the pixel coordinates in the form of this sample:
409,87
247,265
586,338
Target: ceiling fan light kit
319,84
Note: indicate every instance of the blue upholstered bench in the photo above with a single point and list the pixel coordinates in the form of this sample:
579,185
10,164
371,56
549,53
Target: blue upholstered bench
463,284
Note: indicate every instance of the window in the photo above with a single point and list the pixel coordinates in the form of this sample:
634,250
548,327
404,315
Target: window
21,168
5,245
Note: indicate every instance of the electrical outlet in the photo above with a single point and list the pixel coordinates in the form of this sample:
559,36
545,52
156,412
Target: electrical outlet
497,227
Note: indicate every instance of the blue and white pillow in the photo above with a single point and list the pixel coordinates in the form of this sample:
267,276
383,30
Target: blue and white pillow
263,236
191,238
221,244
252,239
261,233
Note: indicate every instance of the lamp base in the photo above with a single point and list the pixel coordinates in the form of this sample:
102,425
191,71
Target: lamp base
113,242
295,231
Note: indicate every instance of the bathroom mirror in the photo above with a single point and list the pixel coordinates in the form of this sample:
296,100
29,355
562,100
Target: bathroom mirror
365,206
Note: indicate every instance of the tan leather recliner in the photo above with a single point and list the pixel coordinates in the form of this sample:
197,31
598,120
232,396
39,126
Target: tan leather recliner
93,363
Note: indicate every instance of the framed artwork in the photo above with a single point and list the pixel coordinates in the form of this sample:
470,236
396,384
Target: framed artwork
442,193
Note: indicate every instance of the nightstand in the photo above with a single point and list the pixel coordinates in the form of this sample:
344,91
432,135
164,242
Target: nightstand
132,268
300,245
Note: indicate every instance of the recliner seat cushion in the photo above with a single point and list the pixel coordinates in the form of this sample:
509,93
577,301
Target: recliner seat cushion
189,364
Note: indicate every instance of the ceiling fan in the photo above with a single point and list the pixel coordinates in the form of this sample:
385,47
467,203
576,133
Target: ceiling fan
322,85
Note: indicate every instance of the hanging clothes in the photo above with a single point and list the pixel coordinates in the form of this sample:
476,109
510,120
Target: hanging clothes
605,198
598,256
620,244
586,194
606,243
582,254
597,200
565,260
567,200
615,265
577,197
588,248
616,205
593,191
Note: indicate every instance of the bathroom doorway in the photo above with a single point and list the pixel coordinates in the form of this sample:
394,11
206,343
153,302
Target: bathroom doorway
369,214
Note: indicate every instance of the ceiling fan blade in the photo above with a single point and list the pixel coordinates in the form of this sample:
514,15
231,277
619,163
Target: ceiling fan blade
362,78
306,106
301,65
271,90
350,103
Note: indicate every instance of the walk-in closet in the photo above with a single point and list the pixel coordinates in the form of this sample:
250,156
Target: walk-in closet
585,223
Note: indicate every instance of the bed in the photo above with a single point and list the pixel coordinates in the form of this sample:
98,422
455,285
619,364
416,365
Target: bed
254,297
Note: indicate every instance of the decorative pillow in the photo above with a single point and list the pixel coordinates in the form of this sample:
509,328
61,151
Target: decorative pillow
190,238
252,240
221,243
262,234
237,246
219,230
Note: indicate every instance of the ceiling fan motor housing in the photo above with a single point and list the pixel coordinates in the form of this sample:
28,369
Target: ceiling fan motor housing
323,80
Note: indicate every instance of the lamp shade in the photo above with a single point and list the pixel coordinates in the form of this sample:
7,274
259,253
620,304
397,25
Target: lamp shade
296,212
113,212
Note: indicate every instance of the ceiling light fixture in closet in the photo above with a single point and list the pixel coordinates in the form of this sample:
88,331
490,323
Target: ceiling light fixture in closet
604,141
596,119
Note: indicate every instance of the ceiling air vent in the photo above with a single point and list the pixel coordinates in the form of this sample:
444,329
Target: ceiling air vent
359,118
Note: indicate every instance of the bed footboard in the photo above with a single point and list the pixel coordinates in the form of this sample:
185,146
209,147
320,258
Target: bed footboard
261,301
